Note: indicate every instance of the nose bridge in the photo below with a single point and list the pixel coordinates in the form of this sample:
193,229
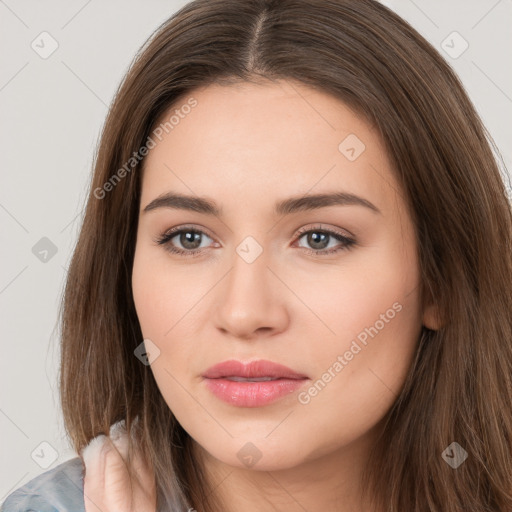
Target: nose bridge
248,299
248,279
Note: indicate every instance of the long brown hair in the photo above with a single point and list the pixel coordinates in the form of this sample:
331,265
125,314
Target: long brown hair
459,385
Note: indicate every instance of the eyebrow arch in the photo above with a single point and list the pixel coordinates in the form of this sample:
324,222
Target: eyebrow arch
285,207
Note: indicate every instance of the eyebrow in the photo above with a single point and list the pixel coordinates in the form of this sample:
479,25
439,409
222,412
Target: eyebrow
284,207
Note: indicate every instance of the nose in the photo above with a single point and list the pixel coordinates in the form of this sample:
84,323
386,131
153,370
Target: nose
250,301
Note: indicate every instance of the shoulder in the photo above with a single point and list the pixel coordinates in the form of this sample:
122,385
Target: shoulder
59,489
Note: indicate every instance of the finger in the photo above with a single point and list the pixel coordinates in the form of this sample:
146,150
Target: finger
143,480
117,490
94,474
106,482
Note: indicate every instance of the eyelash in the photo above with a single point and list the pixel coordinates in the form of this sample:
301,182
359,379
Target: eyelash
166,237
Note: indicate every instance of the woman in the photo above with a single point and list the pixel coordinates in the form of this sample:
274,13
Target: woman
292,285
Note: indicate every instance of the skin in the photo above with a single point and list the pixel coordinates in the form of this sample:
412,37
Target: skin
107,483
246,147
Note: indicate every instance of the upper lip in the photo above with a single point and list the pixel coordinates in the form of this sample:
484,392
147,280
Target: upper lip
253,369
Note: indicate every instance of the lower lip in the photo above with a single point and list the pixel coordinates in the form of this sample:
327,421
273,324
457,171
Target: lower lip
252,394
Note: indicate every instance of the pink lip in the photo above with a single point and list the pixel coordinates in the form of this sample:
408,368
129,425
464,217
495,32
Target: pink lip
260,368
252,394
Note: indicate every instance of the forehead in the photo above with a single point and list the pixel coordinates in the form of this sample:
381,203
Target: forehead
256,140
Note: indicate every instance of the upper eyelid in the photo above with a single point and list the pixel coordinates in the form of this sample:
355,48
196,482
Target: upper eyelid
335,231
186,227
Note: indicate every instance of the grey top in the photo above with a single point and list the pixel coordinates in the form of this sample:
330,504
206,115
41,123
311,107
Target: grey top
60,489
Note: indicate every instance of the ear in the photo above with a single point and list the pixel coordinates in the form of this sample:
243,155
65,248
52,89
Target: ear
432,318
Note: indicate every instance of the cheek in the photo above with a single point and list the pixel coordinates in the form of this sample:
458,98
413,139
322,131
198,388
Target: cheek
159,292
373,310
371,295
146,292
172,306
161,302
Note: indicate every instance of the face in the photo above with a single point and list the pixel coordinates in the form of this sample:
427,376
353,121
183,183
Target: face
286,269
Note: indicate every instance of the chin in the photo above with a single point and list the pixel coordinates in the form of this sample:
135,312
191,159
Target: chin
255,455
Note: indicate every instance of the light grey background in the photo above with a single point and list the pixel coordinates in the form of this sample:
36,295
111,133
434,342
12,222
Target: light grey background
52,110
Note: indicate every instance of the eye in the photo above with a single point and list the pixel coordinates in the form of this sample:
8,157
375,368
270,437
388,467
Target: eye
319,239
189,238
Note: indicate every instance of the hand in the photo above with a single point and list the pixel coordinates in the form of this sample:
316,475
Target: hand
107,486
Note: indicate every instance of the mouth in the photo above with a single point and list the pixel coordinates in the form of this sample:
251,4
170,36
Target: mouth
255,384
244,379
